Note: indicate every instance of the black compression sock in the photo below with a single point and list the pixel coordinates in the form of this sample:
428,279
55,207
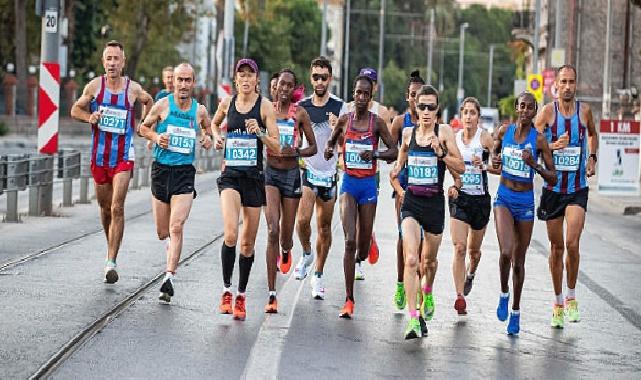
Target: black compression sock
227,258
245,266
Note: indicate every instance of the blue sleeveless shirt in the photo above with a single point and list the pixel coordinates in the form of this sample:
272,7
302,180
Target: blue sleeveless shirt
514,168
182,128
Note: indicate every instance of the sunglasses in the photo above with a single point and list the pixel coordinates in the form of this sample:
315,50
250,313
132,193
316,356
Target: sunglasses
323,77
428,106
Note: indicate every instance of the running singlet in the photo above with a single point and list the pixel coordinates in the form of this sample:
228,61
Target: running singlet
181,127
243,151
356,142
570,162
112,137
321,172
514,168
474,180
425,172
287,129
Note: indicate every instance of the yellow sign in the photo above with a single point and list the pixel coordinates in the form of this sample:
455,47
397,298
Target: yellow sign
535,86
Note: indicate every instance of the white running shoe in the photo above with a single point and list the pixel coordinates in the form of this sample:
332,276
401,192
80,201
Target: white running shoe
303,267
111,275
318,288
359,274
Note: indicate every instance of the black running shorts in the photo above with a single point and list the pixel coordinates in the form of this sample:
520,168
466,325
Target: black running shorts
251,190
286,180
428,212
471,209
169,180
553,204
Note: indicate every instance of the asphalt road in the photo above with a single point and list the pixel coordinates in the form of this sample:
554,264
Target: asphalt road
53,299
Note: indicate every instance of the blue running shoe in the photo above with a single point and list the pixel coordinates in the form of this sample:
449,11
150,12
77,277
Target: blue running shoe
513,327
501,310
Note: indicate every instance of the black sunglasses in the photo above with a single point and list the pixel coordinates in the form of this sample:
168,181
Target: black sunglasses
323,77
429,106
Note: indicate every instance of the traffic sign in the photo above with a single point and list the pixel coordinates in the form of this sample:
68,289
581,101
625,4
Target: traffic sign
535,86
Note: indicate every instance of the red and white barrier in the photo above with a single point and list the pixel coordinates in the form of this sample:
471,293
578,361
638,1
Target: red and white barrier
48,107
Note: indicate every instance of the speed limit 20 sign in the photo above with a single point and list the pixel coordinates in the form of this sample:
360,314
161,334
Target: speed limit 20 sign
51,21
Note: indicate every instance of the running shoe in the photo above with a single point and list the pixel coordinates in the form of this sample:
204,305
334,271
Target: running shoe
318,288
225,303
359,273
111,275
513,327
421,320
286,261
460,305
166,290
272,305
572,310
239,308
372,255
467,287
413,329
304,265
558,317
399,297
427,307
501,310
348,310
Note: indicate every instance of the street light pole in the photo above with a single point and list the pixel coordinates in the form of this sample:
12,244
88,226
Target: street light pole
345,73
605,107
381,86
489,76
459,90
430,47
228,41
323,47
535,53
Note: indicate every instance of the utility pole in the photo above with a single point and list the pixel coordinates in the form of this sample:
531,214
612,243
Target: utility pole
605,107
246,31
381,39
345,73
430,47
228,42
535,53
323,47
557,24
489,77
461,55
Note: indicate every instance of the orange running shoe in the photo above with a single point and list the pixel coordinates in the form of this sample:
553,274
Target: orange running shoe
372,256
272,305
239,308
347,310
460,305
225,303
286,262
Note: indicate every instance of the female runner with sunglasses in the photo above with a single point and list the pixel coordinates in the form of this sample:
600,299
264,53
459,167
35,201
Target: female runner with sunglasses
427,149
516,151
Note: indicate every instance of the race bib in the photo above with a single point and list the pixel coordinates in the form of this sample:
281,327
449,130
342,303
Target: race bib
286,132
181,140
352,154
241,150
113,120
514,164
472,180
422,168
567,159
317,180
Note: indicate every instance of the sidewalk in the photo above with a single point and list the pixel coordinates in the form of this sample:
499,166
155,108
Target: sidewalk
620,205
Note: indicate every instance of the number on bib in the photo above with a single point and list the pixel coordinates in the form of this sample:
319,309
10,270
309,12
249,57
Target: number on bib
567,159
422,168
241,150
513,163
181,140
286,132
352,154
472,180
113,120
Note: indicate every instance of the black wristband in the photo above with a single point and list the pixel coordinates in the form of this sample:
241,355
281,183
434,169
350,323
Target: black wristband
593,156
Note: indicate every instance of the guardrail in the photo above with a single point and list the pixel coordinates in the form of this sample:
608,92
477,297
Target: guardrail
35,172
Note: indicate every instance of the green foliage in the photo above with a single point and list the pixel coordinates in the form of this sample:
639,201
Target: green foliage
395,81
286,33
4,129
7,31
506,107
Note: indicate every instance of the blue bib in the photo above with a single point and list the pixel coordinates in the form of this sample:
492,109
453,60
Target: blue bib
181,128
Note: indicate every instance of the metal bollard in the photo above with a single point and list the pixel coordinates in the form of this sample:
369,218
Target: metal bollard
68,169
45,199
85,174
142,171
36,168
16,168
210,160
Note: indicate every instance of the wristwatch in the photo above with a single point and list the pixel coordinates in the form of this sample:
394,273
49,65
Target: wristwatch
444,149
593,156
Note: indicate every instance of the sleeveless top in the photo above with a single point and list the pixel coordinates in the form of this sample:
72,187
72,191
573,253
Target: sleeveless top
474,180
182,128
570,162
243,150
514,168
287,129
354,143
425,172
112,138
